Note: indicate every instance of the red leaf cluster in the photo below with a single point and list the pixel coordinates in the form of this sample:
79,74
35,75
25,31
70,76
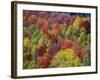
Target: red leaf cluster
43,61
67,44
80,53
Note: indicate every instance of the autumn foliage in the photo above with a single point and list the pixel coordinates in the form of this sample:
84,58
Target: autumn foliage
55,39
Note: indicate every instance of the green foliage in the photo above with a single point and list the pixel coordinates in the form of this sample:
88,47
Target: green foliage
84,39
72,33
69,33
29,64
32,64
32,29
86,60
25,65
76,33
65,58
